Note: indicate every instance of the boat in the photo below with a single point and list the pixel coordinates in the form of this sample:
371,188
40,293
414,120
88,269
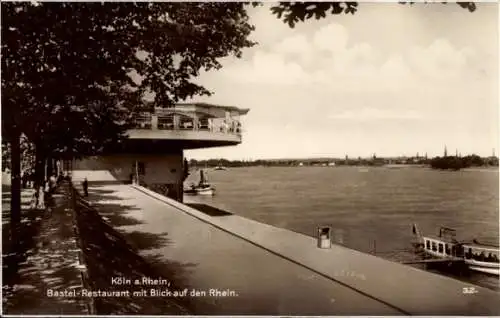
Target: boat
482,257
220,166
202,188
478,256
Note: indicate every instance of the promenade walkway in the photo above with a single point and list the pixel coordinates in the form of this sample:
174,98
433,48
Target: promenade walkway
274,271
45,260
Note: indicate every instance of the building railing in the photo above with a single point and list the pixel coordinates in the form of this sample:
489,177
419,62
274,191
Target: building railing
184,123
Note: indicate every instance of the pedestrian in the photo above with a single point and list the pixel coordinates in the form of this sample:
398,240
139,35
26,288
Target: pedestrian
85,185
32,180
40,198
46,191
53,183
24,179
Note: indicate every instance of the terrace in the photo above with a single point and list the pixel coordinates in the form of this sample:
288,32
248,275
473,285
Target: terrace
190,125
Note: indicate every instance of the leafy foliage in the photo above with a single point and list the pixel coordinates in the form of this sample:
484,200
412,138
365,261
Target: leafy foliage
66,66
294,12
66,69
457,163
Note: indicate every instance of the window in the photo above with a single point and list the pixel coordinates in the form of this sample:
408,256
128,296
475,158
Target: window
166,122
468,255
434,246
143,121
495,258
203,123
428,244
186,122
447,249
440,247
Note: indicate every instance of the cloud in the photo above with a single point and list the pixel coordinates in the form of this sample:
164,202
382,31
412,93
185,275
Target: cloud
297,46
332,38
440,60
269,68
374,113
395,68
378,81
326,57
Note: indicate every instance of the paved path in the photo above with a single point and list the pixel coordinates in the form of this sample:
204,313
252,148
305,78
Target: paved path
47,262
286,274
208,258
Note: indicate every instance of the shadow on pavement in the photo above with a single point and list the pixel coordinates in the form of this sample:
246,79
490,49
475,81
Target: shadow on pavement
14,253
112,212
112,253
41,260
209,210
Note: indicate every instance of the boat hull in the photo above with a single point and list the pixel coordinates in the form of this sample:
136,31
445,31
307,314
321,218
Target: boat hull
484,267
206,192
199,191
486,270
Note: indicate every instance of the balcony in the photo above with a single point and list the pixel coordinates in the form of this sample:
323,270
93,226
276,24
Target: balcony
188,128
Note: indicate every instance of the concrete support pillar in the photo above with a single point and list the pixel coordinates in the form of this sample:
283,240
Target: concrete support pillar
154,122
196,122
176,121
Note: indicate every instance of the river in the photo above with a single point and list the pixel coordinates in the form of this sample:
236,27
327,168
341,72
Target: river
370,209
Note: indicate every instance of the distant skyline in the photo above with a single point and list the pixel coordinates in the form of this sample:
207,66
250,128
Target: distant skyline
392,80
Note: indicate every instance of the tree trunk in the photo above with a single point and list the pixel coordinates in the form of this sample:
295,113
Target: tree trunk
15,190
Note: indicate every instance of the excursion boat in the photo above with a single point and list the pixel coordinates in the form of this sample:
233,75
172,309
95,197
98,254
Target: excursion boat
202,188
479,257
482,257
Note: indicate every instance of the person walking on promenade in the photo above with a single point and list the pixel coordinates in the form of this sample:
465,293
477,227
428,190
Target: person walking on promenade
85,185
24,179
40,199
52,183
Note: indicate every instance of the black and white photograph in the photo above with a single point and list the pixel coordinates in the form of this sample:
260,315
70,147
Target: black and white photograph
168,158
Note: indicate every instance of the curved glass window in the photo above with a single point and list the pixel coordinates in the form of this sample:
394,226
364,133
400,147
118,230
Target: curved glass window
166,122
434,246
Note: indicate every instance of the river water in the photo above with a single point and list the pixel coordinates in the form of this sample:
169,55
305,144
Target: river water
370,209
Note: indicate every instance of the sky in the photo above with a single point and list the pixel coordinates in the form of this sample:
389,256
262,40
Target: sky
391,80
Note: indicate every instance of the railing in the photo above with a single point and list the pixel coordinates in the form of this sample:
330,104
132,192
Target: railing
173,123
143,121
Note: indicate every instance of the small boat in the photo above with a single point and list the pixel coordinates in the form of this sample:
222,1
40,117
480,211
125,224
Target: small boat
482,257
220,168
202,188
479,257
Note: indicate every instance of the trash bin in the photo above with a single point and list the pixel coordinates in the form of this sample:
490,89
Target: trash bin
324,237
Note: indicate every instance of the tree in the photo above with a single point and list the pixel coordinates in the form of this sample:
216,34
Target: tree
294,12
66,68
